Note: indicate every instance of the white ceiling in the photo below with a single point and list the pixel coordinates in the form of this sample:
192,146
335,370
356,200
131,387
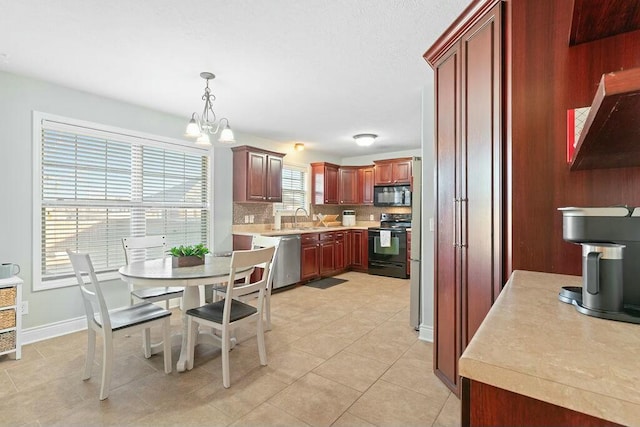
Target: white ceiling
313,71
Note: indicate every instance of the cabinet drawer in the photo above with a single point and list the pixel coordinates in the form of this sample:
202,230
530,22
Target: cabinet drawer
338,235
308,239
327,237
7,297
7,319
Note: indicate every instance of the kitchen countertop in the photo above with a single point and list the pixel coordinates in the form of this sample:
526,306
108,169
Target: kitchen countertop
251,231
532,344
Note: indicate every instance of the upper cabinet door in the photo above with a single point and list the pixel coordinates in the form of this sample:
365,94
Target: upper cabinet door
257,175
366,181
384,175
324,183
274,179
348,186
401,172
393,171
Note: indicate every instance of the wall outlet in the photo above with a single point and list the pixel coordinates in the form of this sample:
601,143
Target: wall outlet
431,227
25,307
315,217
372,217
251,218
246,219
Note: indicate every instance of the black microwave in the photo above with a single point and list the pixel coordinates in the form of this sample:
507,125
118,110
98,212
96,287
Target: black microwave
392,195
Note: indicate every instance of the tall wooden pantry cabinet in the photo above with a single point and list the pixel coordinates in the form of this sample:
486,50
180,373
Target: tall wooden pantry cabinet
467,62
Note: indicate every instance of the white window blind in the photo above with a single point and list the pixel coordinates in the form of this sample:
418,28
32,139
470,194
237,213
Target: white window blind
97,187
294,188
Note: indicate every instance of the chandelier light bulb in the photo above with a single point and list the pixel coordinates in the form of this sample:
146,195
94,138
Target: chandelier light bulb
193,130
203,140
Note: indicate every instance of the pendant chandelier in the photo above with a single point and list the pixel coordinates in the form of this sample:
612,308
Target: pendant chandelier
202,126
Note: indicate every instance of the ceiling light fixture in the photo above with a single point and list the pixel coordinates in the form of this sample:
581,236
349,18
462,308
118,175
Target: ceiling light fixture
365,139
207,124
299,146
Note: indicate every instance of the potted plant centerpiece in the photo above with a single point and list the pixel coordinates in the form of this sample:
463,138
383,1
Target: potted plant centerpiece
187,256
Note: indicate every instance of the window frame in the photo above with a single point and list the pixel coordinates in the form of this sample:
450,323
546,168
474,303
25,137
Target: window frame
277,207
123,135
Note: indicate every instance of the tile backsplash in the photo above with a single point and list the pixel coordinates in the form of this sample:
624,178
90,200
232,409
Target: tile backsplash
263,212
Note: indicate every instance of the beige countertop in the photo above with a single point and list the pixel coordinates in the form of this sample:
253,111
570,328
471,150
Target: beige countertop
532,344
266,230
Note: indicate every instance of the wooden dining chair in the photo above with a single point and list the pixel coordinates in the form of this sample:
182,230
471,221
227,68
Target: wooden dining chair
112,324
227,314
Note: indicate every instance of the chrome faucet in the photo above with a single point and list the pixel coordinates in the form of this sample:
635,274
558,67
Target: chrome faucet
295,216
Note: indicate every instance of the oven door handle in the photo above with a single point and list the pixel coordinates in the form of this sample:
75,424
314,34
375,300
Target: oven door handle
385,264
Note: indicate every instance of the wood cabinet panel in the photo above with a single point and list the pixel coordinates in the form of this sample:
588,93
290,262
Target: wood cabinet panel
274,179
481,239
393,171
348,248
324,183
348,185
339,251
309,257
366,179
485,405
447,275
468,259
360,250
257,175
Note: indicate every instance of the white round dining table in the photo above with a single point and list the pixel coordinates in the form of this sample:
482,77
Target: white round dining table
159,272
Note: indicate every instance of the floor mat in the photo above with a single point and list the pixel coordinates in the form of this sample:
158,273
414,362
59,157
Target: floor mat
325,283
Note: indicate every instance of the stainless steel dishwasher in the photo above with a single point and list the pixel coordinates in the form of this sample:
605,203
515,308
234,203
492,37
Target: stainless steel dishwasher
286,270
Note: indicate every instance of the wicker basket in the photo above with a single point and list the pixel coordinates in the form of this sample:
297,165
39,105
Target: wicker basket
7,297
7,341
7,319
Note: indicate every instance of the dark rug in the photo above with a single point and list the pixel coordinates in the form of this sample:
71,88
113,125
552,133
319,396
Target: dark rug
326,283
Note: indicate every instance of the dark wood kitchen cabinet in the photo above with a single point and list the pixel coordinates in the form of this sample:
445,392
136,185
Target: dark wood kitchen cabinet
324,183
360,250
257,175
393,171
467,63
309,256
348,248
366,180
327,254
348,185
339,250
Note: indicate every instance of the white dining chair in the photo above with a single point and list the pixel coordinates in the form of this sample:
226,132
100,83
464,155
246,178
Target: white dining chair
262,242
141,249
227,314
112,324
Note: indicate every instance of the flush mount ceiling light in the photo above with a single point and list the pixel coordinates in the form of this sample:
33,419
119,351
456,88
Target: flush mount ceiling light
207,124
365,139
299,146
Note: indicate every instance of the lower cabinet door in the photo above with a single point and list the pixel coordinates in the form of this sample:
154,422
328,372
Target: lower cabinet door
309,268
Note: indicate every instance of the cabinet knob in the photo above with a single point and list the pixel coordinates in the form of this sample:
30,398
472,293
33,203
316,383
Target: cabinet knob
264,198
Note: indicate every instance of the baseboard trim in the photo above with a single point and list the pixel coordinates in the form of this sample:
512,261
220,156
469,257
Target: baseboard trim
426,333
52,330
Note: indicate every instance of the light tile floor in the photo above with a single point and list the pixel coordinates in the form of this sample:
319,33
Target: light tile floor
342,356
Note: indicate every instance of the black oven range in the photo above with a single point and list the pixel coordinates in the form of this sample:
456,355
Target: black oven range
388,246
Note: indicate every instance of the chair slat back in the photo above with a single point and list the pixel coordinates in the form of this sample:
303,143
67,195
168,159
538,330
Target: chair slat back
143,248
264,242
261,257
94,303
